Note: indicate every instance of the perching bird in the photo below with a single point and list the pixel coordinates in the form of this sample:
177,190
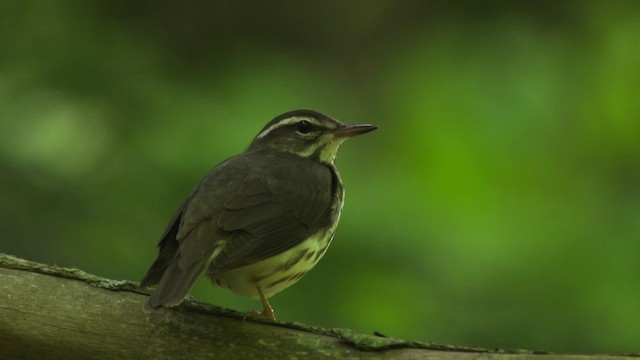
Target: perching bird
259,221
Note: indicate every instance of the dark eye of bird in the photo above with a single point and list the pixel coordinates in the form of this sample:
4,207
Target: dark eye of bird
304,127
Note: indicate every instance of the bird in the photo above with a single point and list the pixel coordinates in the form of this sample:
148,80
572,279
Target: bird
260,220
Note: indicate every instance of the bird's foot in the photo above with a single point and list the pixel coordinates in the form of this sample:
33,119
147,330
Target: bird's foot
266,313
268,310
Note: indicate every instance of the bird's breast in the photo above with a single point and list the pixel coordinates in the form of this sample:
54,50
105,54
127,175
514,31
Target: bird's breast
278,272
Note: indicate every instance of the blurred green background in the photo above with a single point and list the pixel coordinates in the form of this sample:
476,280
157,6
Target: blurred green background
498,205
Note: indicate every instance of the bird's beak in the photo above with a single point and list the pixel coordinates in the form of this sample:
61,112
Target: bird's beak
347,131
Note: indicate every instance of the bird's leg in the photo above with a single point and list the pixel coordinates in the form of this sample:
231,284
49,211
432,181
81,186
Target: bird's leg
268,310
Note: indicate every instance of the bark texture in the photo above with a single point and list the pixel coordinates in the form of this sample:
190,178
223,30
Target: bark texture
48,312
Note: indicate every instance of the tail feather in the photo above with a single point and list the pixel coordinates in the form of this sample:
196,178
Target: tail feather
154,275
179,263
174,285
168,249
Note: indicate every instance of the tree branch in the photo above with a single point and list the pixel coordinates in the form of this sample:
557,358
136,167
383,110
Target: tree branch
60,313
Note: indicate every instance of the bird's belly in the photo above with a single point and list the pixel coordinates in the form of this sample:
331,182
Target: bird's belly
278,272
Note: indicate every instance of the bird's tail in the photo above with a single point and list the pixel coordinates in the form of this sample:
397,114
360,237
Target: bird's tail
174,285
178,265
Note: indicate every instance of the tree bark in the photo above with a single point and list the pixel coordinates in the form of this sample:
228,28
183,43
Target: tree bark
48,312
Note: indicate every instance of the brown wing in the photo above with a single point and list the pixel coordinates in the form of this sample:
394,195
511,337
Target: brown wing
271,214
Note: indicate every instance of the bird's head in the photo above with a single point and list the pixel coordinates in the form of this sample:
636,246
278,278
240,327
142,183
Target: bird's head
308,134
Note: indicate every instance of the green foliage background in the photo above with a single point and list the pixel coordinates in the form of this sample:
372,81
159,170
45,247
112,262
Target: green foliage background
498,204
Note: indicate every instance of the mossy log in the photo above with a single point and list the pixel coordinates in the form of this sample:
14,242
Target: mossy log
49,312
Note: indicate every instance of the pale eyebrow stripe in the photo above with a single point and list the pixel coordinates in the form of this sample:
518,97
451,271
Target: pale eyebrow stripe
285,122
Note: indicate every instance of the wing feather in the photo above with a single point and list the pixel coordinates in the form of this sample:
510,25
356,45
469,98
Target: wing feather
247,209
269,215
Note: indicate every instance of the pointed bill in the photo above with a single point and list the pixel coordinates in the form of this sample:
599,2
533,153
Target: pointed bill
348,131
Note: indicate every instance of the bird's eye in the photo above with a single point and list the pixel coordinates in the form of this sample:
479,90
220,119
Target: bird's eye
304,127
